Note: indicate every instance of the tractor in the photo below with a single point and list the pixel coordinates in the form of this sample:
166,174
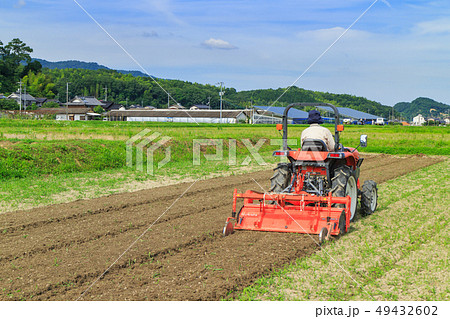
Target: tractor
315,191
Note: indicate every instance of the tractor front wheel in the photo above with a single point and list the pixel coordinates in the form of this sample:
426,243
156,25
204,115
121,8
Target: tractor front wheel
281,178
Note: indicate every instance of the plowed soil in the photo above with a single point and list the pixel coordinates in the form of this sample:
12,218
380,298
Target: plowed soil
57,252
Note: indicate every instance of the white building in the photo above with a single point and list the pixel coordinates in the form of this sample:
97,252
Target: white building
76,114
418,120
180,116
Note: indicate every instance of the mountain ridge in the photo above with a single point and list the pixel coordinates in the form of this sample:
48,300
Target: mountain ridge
76,64
422,105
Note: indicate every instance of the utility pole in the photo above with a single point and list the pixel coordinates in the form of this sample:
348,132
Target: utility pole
67,101
25,99
106,93
221,93
20,96
168,100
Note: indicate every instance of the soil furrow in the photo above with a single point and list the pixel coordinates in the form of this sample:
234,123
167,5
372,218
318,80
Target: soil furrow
57,235
110,209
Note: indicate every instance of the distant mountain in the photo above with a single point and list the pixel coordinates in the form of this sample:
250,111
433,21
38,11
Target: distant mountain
74,64
422,105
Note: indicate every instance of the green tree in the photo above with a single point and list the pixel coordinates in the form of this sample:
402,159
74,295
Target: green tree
98,109
12,55
6,104
51,104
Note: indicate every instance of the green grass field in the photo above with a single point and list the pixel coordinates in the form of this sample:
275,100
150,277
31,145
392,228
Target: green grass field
45,161
398,253
382,139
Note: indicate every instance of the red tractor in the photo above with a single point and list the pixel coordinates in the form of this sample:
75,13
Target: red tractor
316,192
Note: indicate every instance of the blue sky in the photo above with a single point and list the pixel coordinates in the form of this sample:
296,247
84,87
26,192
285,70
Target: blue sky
398,51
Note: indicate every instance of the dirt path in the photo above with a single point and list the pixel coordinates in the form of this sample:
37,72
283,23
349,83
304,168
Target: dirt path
57,252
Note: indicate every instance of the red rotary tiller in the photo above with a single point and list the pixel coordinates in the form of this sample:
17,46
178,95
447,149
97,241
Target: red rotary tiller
315,193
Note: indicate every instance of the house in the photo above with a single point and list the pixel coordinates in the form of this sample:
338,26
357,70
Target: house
200,107
176,107
84,101
181,116
40,101
418,120
75,114
27,99
2,97
109,105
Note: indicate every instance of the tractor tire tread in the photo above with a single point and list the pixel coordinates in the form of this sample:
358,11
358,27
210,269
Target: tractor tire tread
366,197
281,178
339,183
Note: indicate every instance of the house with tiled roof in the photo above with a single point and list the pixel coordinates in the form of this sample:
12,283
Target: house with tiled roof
85,101
27,99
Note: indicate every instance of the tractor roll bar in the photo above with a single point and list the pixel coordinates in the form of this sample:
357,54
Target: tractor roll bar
336,122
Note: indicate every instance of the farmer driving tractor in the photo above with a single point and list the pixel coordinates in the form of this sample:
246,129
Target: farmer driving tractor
317,132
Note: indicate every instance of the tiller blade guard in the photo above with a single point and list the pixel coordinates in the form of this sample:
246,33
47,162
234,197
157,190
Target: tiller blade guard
293,213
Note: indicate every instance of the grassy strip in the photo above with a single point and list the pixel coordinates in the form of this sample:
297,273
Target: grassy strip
24,158
32,158
399,253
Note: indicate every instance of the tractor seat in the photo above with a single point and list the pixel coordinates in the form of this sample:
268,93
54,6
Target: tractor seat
314,145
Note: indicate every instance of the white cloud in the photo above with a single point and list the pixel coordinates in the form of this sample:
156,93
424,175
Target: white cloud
433,27
20,4
218,44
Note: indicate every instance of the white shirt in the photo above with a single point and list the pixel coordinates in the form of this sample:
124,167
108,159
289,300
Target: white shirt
315,131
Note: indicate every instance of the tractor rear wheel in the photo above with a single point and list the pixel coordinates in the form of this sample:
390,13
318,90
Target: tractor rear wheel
281,178
369,198
344,184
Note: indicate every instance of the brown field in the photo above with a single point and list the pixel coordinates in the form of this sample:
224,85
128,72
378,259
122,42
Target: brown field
57,252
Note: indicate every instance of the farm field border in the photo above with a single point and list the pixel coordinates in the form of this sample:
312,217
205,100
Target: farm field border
399,253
